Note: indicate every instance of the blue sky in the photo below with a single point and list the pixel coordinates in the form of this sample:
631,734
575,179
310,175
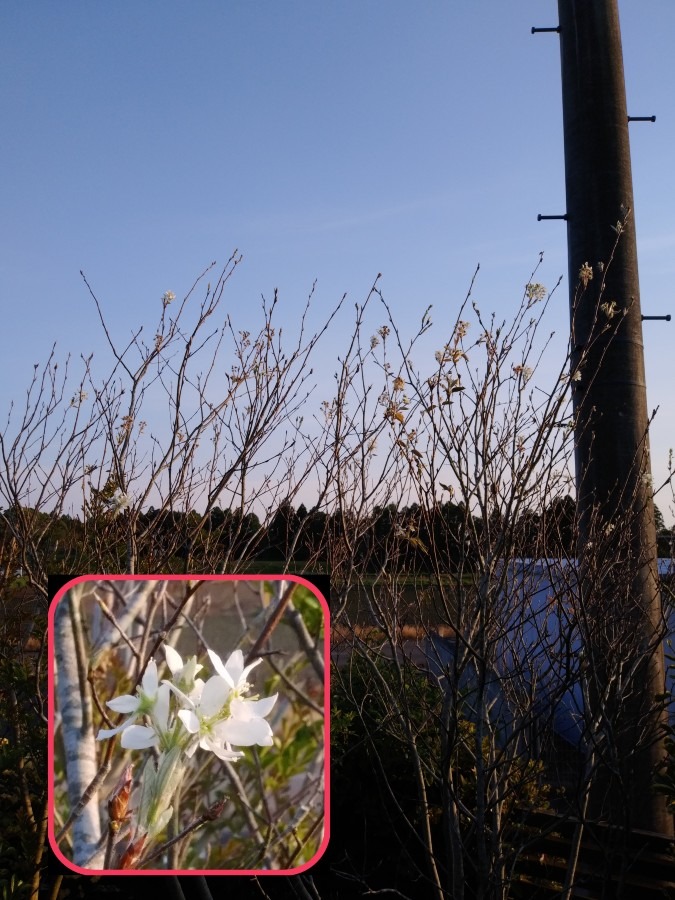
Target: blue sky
326,141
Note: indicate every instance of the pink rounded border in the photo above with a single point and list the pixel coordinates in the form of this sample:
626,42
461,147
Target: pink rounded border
50,727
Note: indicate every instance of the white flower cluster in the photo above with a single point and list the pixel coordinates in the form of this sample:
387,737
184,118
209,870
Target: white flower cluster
212,715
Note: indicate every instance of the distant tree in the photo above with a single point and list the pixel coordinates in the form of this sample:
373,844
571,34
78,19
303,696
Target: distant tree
559,528
665,537
281,532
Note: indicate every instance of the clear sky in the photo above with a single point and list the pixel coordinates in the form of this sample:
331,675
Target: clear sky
327,141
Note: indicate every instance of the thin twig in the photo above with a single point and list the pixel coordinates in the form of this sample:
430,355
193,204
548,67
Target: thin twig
271,623
211,814
307,700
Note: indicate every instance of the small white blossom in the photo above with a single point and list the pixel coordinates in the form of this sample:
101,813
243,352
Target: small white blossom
168,297
609,309
152,700
201,716
79,398
524,371
117,503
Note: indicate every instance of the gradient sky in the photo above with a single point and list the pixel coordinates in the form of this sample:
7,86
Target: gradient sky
327,141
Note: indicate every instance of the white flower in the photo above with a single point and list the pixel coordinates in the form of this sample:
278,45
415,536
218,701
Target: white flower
117,503
151,700
203,715
78,398
524,371
246,725
168,297
216,712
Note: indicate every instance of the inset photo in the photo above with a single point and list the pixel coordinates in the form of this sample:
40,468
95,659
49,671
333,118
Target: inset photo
188,724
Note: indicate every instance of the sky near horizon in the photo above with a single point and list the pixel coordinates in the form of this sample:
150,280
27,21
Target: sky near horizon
326,142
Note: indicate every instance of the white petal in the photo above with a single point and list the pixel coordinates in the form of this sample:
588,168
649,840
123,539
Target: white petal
150,681
235,666
248,668
214,695
173,659
105,733
124,703
245,710
160,713
220,668
139,737
181,696
196,692
215,745
255,731
189,719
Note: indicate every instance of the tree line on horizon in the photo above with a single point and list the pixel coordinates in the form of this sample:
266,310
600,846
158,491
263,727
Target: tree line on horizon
297,538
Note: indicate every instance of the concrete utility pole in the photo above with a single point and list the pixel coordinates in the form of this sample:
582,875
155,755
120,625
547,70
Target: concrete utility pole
610,401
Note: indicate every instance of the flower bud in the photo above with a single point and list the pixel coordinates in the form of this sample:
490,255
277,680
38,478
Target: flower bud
119,799
133,853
